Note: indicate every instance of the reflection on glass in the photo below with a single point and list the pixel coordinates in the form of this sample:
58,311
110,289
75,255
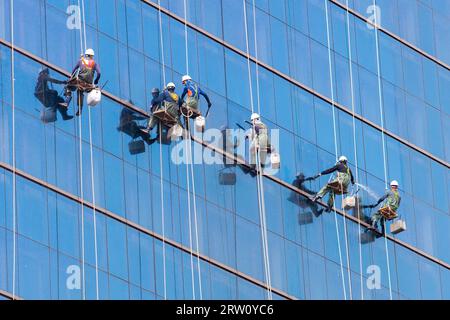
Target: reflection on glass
49,98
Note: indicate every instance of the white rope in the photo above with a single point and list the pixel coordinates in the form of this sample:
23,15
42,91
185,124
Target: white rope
261,202
382,138
354,144
160,156
97,295
81,181
13,151
259,174
191,165
335,148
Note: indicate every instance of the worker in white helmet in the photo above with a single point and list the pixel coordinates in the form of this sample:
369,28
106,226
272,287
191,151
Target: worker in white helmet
391,202
259,141
168,100
82,77
193,91
344,177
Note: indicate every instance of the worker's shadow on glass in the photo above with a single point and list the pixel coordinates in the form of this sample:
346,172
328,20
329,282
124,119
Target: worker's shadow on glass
309,207
129,124
49,98
229,144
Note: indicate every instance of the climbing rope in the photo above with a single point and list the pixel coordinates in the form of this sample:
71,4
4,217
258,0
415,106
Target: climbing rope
161,157
382,138
260,191
190,165
336,155
81,179
14,205
91,154
350,58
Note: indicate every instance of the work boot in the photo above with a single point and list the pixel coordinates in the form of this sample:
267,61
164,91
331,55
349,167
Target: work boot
150,140
67,117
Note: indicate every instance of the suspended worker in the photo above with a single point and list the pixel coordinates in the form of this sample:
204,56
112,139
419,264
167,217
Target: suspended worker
153,121
192,90
82,78
343,178
390,206
48,96
168,100
259,141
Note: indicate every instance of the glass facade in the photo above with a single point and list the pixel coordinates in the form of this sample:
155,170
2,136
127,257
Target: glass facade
74,198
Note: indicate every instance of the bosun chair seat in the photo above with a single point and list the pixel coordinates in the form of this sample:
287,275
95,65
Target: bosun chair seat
166,118
388,213
82,85
338,188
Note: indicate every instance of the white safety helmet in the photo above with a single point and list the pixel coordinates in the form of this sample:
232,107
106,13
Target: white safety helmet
254,116
89,52
170,85
185,78
394,183
342,159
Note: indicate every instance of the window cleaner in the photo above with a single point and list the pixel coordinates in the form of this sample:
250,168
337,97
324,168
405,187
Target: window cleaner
388,210
165,111
49,97
82,80
338,185
190,107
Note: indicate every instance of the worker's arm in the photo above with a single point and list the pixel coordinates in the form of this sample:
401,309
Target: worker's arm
330,170
201,92
381,199
98,72
78,65
185,91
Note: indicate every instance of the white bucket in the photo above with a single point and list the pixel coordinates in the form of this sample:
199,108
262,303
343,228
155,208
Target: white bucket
94,97
200,124
275,160
175,132
349,203
398,226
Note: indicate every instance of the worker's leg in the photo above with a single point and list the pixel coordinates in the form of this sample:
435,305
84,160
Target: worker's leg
330,201
376,217
322,192
80,99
